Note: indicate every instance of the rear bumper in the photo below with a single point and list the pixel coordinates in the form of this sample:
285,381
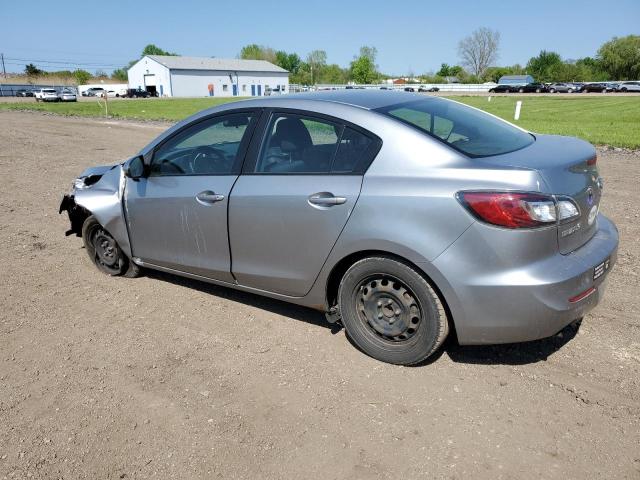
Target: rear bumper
525,302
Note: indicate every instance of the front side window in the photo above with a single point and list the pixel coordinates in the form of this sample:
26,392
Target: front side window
298,144
209,147
466,129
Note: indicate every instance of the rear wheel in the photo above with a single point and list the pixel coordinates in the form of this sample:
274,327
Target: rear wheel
105,252
391,312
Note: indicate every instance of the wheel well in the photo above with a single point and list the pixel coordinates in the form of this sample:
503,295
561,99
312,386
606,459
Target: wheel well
333,281
77,215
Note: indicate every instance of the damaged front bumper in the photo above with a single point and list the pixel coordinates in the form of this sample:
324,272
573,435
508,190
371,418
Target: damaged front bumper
77,214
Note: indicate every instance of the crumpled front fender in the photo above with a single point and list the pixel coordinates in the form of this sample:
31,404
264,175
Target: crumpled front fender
104,201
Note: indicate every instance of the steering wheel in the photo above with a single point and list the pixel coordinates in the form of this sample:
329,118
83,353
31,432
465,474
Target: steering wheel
212,156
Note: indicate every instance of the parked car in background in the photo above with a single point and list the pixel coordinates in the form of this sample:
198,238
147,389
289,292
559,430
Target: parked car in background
109,93
425,89
46,95
23,92
629,87
535,87
92,92
601,87
501,89
409,89
67,95
403,217
137,93
561,88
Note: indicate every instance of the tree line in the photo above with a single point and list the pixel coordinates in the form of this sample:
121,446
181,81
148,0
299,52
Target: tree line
617,59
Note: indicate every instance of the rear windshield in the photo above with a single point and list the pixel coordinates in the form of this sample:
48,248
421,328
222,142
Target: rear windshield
466,129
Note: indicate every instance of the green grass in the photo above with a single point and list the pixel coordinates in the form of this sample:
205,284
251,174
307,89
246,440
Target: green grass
141,109
607,120
611,120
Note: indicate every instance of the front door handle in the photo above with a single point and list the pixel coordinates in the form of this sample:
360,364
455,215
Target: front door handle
326,199
208,197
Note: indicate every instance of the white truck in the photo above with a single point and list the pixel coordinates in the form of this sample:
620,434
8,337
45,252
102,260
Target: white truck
46,95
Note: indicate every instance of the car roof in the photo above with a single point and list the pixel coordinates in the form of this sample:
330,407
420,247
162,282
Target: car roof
366,99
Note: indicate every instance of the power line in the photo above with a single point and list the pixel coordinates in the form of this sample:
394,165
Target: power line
65,62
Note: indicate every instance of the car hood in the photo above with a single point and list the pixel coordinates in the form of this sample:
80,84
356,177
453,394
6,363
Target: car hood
100,170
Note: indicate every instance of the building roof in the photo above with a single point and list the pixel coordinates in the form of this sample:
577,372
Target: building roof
207,63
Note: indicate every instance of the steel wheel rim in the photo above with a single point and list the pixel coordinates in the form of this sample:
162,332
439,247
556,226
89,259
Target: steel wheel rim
106,250
388,308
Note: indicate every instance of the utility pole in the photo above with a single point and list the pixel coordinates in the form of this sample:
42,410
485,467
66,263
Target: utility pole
4,71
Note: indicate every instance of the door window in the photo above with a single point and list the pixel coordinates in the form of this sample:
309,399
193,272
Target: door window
210,147
296,144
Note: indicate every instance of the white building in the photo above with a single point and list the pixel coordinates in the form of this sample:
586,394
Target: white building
209,77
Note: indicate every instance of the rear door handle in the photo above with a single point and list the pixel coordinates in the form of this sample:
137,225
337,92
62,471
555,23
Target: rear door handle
326,199
208,197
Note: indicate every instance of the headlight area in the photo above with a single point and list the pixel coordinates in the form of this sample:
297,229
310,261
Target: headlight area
82,183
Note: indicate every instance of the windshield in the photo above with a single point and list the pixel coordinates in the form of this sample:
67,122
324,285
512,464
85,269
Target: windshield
466,129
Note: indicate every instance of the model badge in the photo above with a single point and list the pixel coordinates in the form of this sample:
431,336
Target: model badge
590,196
571,230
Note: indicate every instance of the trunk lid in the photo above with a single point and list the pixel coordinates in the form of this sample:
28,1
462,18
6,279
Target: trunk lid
567,168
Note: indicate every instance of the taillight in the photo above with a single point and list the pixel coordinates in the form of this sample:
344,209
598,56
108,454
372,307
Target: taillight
511,209
592,161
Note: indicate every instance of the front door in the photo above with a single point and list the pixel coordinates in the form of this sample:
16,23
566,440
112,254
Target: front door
292,201
177,215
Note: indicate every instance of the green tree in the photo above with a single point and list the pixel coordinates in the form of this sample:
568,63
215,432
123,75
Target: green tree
333,74
543,66
258,52
317,60
81,76
32,71
289,61
620,57
152,49
444,70
120,74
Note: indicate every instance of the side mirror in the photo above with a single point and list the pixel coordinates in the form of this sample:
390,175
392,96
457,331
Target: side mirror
134,168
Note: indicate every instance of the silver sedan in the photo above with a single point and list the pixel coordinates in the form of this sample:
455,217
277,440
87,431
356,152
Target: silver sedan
403,217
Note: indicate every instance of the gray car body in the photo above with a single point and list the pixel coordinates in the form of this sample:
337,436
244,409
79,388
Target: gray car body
498,285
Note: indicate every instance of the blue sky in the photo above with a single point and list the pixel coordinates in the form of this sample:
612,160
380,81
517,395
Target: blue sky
409,39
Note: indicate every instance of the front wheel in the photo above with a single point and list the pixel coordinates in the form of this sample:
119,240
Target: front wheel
105,252
391,312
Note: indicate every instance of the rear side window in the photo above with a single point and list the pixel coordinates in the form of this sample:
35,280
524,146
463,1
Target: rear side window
355,152
466,129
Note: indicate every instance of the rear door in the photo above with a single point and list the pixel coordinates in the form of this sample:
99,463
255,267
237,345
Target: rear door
177,215
296,193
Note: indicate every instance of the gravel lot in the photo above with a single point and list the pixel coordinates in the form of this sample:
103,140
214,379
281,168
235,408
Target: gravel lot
161,377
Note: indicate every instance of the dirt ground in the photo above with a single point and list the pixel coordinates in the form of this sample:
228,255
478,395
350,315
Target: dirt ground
166,378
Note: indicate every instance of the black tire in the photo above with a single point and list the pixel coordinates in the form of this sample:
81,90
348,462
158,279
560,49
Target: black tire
104,251
391,312
521,90
623,89
552,90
